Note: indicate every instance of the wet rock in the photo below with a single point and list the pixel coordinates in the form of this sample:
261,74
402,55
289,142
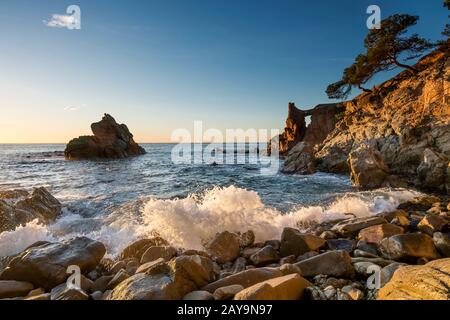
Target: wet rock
247,239
406,246
375,234
187,274
419,203
137,248
341,244
101,283
62,292
154,253
110,140
199,295
46,265
431,224
224,247
353,226
245,278
118,278
290,287
331,263
442,243
293,242
12,289
226,293
265,256
41,205
427,282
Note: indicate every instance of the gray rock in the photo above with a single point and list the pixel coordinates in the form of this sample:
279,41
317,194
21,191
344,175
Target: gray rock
265,256
331,263
442,243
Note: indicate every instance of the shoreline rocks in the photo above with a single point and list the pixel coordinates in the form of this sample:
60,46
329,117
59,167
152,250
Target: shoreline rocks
110,140
412,262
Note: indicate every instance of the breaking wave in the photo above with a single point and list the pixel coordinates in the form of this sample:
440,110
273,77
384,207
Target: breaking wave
190,221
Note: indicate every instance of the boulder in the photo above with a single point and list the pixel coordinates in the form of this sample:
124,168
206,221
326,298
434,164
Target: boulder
46,265
265,256
118,278
186,274
247,239
228,292
40,205
199,295
353,226
154,253
375,234
62,292
224,247
341,244
110,140
331,263
12,289
431,224
290,287
293,242
367,167
442,243
426,282
408,246
154,267
245,278
137,248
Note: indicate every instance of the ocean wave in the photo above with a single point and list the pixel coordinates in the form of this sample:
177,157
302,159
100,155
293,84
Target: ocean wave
190,221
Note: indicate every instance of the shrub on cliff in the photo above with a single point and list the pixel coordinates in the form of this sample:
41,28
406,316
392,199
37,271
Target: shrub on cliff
384,47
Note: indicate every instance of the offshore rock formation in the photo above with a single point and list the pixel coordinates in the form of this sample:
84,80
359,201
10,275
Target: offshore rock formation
110,140
397,135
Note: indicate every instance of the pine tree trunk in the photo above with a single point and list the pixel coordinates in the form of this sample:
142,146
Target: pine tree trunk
364,89
405,66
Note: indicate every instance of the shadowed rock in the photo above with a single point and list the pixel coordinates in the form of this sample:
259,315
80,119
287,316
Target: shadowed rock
110,140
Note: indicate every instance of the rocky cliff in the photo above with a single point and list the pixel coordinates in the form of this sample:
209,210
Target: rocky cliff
110,140
397,135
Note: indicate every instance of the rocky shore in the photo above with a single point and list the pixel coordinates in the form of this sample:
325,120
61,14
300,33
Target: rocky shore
397,135
404,254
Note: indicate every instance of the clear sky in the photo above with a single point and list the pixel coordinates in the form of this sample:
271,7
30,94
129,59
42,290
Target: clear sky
160,65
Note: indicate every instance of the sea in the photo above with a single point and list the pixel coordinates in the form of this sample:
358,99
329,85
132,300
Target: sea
120,201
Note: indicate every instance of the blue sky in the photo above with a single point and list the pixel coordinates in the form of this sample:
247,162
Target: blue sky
160,65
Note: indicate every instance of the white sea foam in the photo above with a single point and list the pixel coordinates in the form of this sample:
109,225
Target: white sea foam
190,221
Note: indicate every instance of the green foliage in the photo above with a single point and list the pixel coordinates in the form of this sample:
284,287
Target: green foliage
383,49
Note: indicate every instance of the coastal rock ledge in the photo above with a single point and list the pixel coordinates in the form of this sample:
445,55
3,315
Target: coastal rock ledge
110,140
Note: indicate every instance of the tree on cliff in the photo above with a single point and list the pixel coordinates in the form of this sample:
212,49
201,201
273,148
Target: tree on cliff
384,47
354,76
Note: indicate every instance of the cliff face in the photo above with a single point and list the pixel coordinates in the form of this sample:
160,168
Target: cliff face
323,120
400,131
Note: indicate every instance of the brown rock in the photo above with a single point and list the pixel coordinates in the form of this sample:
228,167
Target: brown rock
331,263
290,287
154,253
46,265
226,293
295,243
375,234
137,248
265,256
353,226
245,278
12,289
427,282
431,224
224,247
407,246
199,295
110,140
